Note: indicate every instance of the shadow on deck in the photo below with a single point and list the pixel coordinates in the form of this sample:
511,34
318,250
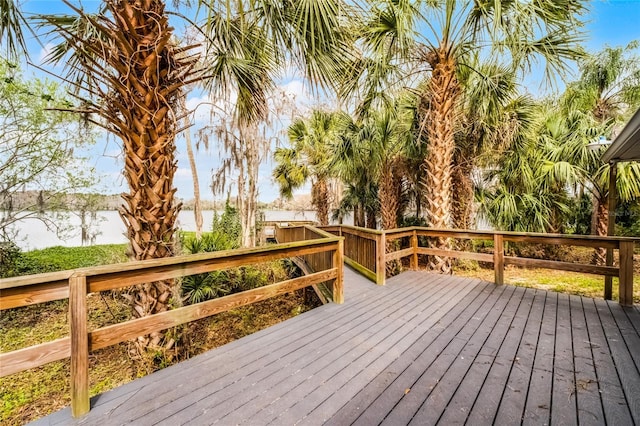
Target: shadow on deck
423,349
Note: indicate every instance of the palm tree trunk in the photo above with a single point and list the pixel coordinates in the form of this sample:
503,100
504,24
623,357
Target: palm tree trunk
388,211
146,103
444,90
320,200
388,198
372,222
602,222
461,192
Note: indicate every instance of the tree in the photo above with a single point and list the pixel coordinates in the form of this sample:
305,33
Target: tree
609,84
403,39
38,167
12,23
197,205
491,113
129,73
309,158
609,91
571,162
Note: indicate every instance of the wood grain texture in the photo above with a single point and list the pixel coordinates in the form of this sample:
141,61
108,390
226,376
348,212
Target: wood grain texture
414,246
498,259
338,265
34,356
399,254
381,246
28,280
154,270
79,346
626,273
16,297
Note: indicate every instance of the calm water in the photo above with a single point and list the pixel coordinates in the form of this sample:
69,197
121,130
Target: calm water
34,234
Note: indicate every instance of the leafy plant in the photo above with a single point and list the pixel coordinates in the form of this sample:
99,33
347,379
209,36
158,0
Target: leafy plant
200,287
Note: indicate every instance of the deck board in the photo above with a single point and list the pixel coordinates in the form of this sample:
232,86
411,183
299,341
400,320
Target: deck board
424,349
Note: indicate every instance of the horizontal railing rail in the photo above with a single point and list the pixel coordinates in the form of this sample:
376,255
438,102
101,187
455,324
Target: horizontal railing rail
322,249
379,240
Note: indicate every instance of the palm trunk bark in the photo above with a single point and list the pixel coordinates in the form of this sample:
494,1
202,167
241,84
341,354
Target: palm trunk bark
444,90
372,222
462,196
320,200
602,222
461,192
146,63
387,194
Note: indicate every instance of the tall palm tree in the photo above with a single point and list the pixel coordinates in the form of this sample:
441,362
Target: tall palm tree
404,39
609,84
309,157
130,73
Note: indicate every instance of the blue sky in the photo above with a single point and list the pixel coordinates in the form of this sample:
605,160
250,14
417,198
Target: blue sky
612,22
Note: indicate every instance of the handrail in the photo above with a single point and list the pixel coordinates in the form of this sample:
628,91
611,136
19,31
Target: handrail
381,239
315,263
77,284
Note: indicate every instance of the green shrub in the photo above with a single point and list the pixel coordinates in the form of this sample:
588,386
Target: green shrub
10,256
62,258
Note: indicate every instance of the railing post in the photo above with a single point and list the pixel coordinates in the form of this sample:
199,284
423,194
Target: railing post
498,258
611,226
338,285
79,345
381,252
414,245
626,273
608,280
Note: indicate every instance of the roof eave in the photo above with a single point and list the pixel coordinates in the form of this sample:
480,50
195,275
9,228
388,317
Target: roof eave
629,137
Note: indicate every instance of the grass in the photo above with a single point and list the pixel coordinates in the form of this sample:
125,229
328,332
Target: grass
63,258
560,281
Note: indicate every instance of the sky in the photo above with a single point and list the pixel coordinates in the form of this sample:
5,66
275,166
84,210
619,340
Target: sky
609,22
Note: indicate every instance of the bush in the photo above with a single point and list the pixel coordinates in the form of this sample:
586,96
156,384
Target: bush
10,255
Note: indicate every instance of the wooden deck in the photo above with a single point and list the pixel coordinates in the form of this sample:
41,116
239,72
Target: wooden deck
424,349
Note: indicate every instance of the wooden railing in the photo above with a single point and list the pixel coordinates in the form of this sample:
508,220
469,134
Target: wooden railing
317,262
322,249
362,240
363,250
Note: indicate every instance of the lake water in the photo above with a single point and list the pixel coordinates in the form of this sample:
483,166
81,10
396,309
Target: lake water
34,234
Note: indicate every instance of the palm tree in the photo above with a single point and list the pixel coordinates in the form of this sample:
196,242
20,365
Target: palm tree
129,72
12,23
403,39
571,162
514,195
309,157
609,84
609,91
490,113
